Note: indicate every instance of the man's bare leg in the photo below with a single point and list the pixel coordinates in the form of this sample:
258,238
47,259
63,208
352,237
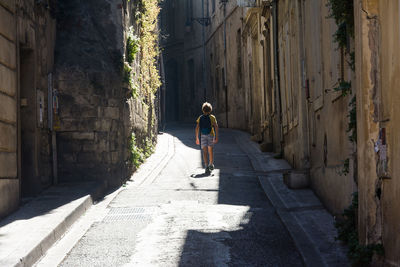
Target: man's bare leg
205,158
210,155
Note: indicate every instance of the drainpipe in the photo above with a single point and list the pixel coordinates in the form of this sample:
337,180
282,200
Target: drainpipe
225,66
50,96
204,52
18,82
162,94
276,67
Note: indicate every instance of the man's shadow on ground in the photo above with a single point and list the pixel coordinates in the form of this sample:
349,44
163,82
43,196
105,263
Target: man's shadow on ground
202,175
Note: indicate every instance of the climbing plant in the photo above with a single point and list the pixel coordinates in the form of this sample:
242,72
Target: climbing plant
360,255
342,11
344,87
132,46
127,74
149,49
352,126
141,56
136,153
143,46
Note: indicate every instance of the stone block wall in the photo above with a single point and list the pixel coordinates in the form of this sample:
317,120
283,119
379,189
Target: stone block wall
9,183
97,113
26,58
91,143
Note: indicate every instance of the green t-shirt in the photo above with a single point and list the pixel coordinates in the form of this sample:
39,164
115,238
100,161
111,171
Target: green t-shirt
213,123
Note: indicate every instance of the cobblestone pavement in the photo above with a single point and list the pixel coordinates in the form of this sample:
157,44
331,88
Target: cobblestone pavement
183,218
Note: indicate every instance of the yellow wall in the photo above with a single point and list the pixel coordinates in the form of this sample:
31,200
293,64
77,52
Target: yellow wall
378,79
314,127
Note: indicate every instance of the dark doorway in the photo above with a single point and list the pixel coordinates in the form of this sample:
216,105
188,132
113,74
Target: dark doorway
28,171
172,94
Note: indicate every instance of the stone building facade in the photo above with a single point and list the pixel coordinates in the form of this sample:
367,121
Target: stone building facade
27,37
198,47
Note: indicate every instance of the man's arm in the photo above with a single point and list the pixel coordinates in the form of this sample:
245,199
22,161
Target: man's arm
216,132
197,134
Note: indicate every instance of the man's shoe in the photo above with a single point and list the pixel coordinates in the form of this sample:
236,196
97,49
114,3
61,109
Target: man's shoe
207,170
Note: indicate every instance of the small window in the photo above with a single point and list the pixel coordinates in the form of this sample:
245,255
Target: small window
190,64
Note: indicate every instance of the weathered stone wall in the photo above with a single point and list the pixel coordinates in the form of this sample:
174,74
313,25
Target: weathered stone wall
315,116
378,77
224,56
97,112
27,36
9,182
194,93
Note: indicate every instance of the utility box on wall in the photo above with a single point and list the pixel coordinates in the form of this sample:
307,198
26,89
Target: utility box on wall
247,3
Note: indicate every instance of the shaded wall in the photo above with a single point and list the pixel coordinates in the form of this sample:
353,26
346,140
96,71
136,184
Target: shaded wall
27,34
97,110
315,116
224,71
172,26
378,72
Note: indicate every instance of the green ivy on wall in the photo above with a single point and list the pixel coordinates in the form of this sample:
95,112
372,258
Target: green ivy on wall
145,46
139,152
342,11
360,255
132,46
343,87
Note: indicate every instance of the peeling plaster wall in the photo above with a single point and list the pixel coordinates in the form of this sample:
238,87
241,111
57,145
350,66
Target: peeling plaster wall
291,73
378,77
314,116
328,111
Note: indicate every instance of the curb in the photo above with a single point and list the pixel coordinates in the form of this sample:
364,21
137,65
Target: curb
304,245
33,246
146,175
150,175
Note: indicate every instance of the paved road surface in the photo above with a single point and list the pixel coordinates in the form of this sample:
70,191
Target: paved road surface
184,218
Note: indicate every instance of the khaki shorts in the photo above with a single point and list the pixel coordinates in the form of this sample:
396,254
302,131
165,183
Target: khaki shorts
207,140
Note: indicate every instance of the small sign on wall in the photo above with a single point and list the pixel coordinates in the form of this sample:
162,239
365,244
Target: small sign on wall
40,108
382,151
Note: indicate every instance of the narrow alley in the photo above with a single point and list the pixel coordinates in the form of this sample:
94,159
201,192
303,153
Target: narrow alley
100,166
179,216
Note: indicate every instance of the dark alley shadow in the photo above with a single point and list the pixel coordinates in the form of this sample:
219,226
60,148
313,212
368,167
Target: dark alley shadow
261,239
56,197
